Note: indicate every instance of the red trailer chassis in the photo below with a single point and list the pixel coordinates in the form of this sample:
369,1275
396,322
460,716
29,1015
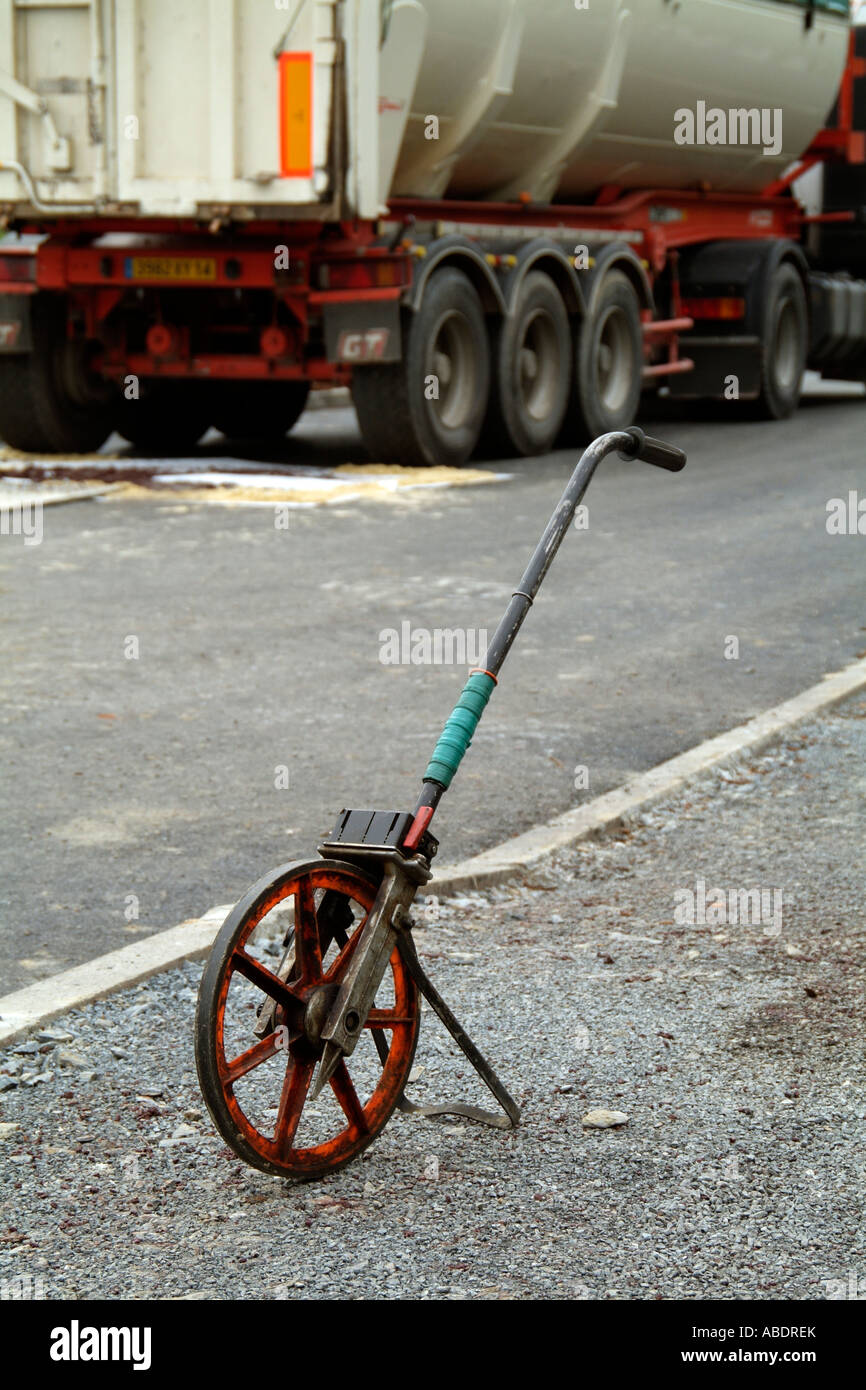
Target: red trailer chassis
343,265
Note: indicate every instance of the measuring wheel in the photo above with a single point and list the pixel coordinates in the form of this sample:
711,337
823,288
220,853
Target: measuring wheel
316,972
269,985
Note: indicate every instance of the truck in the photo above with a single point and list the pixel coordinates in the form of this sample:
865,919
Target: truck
500,223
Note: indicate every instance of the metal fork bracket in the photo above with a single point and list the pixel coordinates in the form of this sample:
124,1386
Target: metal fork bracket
383,937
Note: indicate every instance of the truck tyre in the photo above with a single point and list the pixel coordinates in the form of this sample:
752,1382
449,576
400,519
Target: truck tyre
784,344
168,417
259,409
532,369
21,425
49,401
608,362
428,409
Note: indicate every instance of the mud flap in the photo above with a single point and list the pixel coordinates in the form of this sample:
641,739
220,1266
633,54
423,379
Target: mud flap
364,332
16,334
717,361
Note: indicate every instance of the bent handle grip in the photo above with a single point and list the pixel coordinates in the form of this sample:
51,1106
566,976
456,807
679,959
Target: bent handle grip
459,728
657,451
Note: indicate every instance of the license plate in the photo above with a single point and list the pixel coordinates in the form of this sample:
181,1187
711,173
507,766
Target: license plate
171,268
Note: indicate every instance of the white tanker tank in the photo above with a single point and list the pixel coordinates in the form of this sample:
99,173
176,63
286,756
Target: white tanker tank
555,100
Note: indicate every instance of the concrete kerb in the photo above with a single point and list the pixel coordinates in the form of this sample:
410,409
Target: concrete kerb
36,1004
512,857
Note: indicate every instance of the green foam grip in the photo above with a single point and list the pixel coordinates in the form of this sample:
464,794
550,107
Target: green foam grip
459,728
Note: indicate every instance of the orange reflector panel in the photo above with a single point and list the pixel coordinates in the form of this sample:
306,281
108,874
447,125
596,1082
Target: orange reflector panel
730,308
296,115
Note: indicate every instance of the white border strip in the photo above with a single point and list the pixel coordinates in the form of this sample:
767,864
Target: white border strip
70,989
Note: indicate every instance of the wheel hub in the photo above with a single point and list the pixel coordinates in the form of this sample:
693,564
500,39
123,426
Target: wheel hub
318,1007
453,363
528,364
442,367
613,359
539,365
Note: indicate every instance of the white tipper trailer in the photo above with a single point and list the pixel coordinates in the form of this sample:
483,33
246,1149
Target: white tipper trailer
498,221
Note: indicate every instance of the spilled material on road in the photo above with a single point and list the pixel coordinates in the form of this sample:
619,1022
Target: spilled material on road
233,483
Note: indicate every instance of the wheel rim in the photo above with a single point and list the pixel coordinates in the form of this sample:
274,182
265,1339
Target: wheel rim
614,371
538,365
452,362
786,348
259,1086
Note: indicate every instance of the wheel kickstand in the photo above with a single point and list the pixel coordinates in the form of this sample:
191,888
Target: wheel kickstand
511,1117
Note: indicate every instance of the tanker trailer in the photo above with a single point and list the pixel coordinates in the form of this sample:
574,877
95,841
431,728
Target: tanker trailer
498,222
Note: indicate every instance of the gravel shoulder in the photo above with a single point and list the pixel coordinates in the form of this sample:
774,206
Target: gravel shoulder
735,1050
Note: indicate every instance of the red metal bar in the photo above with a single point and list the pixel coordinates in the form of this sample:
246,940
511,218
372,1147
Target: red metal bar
701,213
315,298
60,265
416,829
779,185
660,326
831,217
217,365
677,364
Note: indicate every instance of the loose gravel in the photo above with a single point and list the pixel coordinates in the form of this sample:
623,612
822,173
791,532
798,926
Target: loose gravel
730,1053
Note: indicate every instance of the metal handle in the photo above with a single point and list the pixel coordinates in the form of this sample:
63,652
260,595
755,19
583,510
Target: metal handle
656,451
462,723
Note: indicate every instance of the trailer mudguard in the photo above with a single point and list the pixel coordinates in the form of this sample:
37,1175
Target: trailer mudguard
616,255
738,267
541,254
464,255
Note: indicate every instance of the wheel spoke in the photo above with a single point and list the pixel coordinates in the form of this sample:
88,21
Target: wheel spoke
344,1090
308,950
384,1018
299,1073
265,979
253,1057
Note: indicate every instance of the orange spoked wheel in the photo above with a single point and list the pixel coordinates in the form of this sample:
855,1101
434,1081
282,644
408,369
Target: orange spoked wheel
266,991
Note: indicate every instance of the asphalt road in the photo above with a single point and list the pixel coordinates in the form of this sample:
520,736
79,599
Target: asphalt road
148,785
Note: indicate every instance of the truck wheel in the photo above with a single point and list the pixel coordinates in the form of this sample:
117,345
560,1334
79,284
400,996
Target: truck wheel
21,425
49,401
169,417
532,370
784,344
608,362
428,409
259,409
